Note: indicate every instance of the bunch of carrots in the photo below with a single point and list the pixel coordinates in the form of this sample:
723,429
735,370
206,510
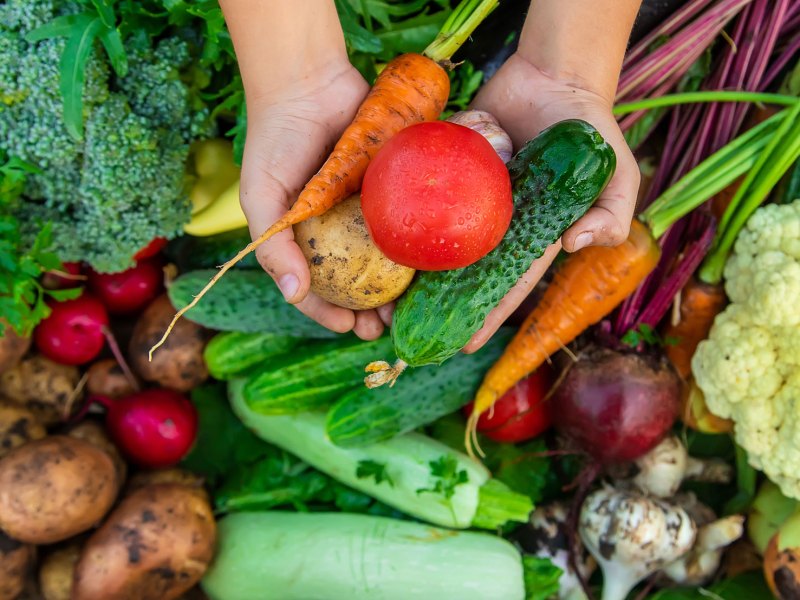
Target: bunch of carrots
411,89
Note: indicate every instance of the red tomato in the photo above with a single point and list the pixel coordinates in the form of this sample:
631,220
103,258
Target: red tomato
436,196
129,291
521,413
154,247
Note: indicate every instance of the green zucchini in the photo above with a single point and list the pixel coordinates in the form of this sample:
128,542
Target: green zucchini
189,252
555,179
412,473
341,556
364,416
242,300
230,353
313,377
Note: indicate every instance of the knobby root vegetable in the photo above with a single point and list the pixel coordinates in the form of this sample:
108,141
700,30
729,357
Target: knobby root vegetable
700,564
94,433
55,488
154,476
632,536
12,347
546,536
155,545
616,405
107,378
16,561
347,268
180,365
48,389
587,287
661,471
57,572
412,88
18,426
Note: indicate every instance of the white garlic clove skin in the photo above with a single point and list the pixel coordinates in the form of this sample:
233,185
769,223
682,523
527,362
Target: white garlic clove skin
632,536
484,123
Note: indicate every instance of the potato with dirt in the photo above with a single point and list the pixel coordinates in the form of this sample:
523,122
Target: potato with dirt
106,378
12,347
54,488
95,433
16,562
48,389
57,572
347,268
179,363
170,475
155,545
18,426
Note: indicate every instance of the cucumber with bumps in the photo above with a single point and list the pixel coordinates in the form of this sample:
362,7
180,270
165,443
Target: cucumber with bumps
555,179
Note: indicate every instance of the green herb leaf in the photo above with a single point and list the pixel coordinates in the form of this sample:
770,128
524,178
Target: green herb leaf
376,470
62,26
447,476
73,75
541,578
356,36
68,294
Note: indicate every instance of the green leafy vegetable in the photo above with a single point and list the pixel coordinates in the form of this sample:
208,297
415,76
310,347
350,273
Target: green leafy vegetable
376,470
747,586
645,335
541,578
448,476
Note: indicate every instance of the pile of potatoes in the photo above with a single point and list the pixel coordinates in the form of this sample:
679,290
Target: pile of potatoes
74,523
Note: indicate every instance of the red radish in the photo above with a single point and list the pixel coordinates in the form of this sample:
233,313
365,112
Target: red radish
154,428
129,291
616,405
69,276
522,413
75,331
154,247
436,196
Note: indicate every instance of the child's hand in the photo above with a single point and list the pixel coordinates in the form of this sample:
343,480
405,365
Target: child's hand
289,134
526,101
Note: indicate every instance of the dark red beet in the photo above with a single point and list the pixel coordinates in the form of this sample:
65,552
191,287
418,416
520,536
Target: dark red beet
129,291
616,405
73,333
154,428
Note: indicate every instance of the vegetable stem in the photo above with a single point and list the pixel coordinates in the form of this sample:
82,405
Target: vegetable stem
498,504
464,19
704,96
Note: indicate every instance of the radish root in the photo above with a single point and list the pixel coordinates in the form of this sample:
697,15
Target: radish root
276,227
382,373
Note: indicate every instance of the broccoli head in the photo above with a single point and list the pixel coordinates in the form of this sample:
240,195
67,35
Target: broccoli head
108,194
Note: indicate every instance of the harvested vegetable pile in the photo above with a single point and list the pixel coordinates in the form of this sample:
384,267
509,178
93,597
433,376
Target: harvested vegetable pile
628,434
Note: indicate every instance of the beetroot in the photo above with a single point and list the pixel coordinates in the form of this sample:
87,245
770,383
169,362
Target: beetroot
616,405
154,428
74,332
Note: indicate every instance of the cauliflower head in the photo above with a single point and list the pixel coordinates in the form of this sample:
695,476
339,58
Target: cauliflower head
749,367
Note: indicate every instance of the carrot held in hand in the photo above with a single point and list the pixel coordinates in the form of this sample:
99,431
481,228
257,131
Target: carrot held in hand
411,89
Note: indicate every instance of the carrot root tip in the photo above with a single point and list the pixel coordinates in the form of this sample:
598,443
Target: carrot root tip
381,373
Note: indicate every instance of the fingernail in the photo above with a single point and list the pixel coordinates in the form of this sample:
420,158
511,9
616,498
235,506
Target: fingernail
583,240
289,284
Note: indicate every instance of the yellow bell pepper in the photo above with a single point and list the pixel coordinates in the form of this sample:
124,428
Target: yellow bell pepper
223,214
214,172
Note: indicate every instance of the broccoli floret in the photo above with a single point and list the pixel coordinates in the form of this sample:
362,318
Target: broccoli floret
123,184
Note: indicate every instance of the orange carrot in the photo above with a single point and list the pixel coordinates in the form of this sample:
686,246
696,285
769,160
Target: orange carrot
700,303
588,286
411,89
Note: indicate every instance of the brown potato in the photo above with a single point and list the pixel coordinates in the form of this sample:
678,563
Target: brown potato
155,545
179,363
12,347
54,488
106,378
16,561
18,426
44,387
173,475
95,433
57,572
347,268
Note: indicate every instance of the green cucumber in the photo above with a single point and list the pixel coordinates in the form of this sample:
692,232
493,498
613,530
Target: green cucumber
555,179
189,252
230,353
242,300
364,416
313,376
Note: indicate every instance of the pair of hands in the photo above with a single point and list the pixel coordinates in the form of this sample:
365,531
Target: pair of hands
292,132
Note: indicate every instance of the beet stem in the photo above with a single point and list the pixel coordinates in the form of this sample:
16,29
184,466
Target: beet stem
118,356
